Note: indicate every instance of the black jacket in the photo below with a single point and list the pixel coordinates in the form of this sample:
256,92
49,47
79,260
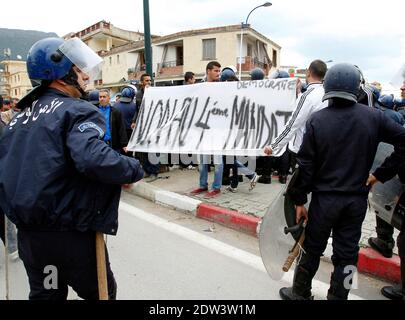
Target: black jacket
339,148
138,99
119,137
56,172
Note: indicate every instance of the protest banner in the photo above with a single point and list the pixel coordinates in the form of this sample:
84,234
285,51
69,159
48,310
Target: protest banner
229,118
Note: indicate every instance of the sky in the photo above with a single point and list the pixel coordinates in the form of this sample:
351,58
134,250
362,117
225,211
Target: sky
370,34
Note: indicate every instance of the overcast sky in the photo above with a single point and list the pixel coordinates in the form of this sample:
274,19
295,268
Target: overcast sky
369,33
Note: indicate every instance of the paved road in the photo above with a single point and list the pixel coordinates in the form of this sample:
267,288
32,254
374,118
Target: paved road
163,254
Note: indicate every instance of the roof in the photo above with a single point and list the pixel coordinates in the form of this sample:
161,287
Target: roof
190,33
223,29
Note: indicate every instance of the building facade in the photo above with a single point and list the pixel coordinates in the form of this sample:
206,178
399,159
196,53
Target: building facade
177,53
124,56
14,80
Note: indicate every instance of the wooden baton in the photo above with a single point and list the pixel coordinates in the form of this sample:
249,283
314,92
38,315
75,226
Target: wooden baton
101,267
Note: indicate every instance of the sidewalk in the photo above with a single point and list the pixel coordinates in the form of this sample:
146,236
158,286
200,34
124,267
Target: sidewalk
243,211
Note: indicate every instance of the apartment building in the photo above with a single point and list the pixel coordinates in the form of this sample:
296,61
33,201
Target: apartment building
14,81
177,53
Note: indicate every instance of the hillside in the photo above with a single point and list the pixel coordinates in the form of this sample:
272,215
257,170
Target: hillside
20,41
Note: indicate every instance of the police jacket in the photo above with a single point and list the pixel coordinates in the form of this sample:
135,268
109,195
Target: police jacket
128,111
308,103
56,172
339,148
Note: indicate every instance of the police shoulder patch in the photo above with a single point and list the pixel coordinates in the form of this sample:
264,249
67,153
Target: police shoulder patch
91,125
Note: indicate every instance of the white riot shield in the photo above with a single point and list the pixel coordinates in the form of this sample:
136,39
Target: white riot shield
279,232
13,278
388,199
274,243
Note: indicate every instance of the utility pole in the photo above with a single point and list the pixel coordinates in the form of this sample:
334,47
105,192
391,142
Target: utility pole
148,42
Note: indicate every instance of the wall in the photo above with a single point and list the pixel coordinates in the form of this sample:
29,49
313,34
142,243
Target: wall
116,71
226,46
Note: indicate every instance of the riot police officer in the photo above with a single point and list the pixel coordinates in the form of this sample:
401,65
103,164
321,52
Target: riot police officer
398,292
335,159
59,181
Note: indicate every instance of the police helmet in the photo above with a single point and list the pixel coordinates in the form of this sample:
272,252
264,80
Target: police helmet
387,101
127,94
232,68
342,81
279,74
52,59
226,74
94,97
257,74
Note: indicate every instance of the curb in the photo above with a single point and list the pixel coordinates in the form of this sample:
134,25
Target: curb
229,218
370,261
165,198
373,263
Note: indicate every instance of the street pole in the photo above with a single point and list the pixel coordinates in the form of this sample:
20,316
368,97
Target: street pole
148,45
245,25
240,53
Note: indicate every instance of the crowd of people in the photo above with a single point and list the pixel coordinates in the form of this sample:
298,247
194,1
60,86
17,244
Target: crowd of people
83,144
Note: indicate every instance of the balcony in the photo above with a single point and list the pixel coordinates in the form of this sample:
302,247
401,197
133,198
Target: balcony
249,63
135,73
170,69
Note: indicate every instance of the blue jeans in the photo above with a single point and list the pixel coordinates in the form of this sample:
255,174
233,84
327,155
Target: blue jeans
219,169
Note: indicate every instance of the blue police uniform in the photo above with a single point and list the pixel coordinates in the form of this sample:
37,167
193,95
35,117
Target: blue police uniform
335,159
60,183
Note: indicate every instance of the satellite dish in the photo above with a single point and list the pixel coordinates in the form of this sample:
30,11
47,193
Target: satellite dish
19,57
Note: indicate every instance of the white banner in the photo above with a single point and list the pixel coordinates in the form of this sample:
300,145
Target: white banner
229,118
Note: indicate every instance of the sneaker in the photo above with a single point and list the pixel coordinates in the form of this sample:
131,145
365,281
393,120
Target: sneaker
233,190
254,181
199,190
213,193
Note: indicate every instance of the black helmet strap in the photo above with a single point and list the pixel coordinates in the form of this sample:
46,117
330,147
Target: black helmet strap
71,79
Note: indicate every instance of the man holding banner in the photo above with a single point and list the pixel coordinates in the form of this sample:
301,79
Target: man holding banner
307,104
213,71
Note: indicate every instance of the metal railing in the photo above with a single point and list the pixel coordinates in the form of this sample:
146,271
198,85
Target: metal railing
170,64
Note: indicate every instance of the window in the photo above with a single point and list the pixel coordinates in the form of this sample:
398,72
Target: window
110,61
209,49
118,59
274,61
249,50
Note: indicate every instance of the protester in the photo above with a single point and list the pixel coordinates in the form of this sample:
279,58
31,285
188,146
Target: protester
213,73
9,114
189,77
151,168
115,135
308,103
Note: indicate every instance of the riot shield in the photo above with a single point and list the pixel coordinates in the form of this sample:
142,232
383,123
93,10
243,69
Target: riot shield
387,199
13,278
280,237
273,242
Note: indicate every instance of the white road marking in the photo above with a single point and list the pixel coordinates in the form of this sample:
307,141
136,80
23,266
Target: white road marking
319,288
